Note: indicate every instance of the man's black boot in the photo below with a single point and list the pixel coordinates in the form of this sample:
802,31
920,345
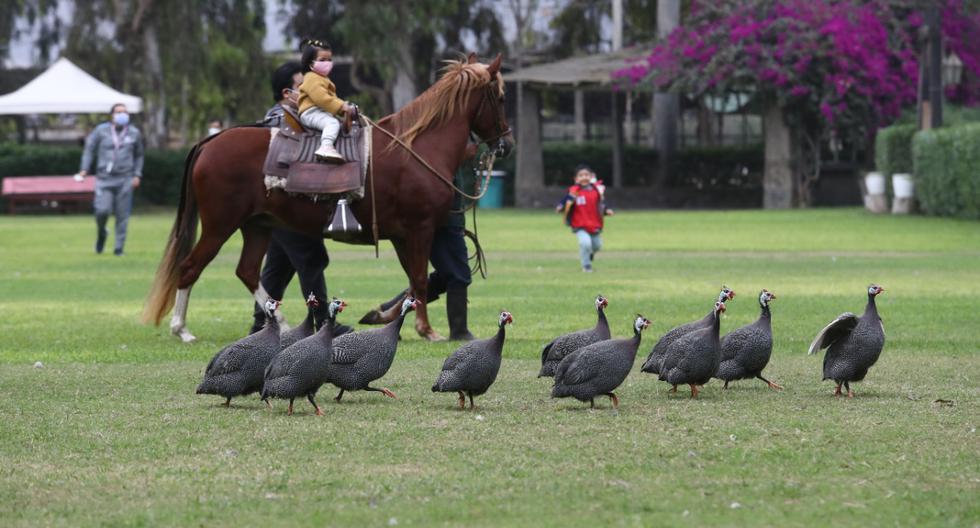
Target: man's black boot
456,313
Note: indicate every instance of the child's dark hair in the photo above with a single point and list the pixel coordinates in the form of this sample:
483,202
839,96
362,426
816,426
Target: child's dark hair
282,78
310,48
581,167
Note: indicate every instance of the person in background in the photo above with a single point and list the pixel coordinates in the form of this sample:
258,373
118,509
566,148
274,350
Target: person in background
291,253
116,148
214,127
584,209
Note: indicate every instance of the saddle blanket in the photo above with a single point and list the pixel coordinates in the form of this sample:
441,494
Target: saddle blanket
290,164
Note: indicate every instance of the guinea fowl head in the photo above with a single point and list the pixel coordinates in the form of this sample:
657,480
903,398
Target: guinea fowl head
726,294
640,323
719,308
505,318
601,302
765,296
271,305
410,303
874,290
335,307
312,301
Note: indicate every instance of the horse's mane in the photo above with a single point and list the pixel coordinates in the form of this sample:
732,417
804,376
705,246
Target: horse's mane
443,100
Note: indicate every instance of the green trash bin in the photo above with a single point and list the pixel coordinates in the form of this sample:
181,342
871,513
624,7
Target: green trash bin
494,197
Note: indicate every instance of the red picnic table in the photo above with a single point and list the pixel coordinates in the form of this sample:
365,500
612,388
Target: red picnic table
58,192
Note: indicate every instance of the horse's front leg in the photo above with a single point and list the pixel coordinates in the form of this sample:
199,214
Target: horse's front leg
413,254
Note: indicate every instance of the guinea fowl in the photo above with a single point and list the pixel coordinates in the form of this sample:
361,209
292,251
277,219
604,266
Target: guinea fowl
304,329
853,344
693,359
362,357
302,368
656,357
598,369
473,367
745,352
236,370
564,345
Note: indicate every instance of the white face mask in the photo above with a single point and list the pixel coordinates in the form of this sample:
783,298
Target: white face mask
212,131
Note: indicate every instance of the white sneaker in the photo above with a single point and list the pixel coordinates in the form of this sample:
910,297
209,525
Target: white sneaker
329,154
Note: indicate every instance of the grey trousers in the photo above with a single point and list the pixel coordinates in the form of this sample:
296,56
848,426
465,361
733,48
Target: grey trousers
115,197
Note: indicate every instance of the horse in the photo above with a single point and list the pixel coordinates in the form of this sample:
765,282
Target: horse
404,200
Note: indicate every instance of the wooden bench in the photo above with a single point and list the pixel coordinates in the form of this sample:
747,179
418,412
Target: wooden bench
62,193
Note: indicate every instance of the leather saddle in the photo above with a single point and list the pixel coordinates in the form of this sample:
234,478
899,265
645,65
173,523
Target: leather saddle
291,157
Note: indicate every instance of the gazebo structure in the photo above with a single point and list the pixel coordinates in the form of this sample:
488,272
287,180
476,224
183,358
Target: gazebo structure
66,89
578,74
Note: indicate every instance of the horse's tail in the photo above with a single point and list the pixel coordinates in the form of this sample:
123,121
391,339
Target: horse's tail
182,237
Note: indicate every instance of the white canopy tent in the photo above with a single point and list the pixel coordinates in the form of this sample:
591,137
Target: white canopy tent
66,89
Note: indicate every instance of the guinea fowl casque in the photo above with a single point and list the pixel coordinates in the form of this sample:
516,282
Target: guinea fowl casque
304,329
853,344
564,345
693,359
598,369
473,367
236,370
301,369
655,359
362,357
745,352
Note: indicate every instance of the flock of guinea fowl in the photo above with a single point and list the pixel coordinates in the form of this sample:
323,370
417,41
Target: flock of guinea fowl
586,364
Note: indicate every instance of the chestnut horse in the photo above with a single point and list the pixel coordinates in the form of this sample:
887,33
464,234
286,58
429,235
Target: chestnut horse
223,182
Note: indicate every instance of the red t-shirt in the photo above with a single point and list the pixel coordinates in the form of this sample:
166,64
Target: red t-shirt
585,212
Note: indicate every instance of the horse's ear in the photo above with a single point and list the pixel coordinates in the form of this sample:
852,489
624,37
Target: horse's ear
471,58
494,66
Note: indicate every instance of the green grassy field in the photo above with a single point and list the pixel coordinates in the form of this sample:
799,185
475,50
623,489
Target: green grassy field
110,432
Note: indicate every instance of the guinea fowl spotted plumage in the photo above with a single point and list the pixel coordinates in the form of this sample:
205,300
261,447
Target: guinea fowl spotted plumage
564,345
745,352
301,369
361,357
598,369
853,344
656,357
304,329
236,370
693,359
473,367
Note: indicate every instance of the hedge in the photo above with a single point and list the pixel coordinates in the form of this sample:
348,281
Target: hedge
893,149
162,169
696,167
946,162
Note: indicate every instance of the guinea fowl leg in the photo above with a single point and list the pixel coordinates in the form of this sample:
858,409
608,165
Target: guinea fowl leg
268,403
339,396
694,391
850,393
837,392
462,400
615,400
227,403
674,389
318,411
591,403
726,384
773,386
382,390
289,412
471,402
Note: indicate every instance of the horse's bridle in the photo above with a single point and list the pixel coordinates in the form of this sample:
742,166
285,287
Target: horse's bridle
501,130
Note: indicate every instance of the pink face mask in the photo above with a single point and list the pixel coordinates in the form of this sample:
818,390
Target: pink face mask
322,67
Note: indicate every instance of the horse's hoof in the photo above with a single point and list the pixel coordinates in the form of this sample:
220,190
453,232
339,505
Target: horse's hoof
430,335
183,334
372,318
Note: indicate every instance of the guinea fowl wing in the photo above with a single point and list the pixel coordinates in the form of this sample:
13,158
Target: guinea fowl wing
583,366
833,332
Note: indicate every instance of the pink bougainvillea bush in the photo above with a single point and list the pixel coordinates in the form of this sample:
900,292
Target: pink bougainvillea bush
843,67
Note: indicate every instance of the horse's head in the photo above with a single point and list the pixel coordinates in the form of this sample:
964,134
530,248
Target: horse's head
489,122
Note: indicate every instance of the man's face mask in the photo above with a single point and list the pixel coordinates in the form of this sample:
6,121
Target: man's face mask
120,118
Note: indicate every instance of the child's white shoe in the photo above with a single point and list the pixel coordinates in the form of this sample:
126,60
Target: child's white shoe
329,154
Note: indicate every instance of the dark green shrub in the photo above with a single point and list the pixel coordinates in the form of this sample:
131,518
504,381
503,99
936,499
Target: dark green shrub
893,149
946,177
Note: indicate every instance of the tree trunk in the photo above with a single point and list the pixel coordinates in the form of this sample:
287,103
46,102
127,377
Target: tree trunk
579,116
530,162
617,142
155,105
779,183
666,106
404,89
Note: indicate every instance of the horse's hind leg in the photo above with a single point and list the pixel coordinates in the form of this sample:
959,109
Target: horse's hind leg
190,269
255,244
414,257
